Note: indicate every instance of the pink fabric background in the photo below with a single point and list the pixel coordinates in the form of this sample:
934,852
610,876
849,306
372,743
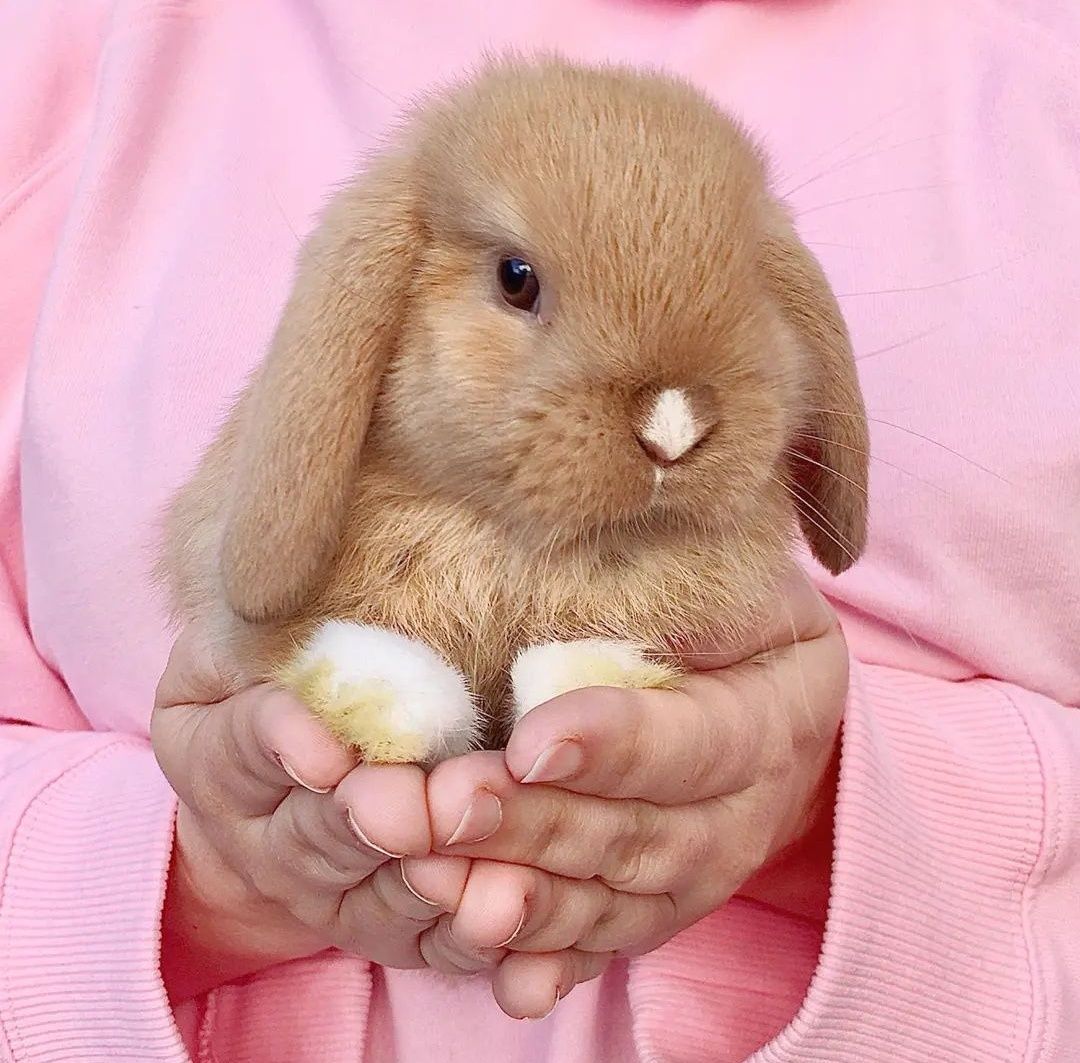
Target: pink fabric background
157,161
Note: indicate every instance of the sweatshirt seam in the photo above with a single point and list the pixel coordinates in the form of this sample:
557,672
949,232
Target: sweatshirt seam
9,1026
28,186
1049,847
24,187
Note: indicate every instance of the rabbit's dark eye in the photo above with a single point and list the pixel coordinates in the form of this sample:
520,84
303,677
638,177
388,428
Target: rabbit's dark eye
519,284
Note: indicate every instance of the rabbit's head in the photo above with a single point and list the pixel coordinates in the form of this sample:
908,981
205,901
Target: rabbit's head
566,299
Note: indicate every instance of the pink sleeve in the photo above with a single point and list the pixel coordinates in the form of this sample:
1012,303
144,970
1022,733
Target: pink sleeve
957,851
85,817
952,925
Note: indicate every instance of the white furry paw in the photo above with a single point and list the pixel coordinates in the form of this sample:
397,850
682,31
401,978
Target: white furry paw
391,698
543,672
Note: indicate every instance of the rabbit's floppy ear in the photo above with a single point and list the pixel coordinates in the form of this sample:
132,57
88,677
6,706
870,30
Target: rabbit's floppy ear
302,421
829,460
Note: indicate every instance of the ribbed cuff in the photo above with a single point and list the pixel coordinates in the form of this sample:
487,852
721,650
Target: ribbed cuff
926,955
80,910
940,825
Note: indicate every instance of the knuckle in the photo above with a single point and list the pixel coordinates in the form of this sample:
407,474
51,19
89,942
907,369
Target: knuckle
682,858
314,912
313,866
652,857
603,927
742,856
653,927
544,840
304,827
572,919
630,849
568,973
292,850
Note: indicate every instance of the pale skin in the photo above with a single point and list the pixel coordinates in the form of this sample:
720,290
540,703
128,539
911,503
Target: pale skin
666,804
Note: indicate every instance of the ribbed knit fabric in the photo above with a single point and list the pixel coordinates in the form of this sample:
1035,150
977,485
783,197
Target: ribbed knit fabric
89,823
158,159
925,956
314,1009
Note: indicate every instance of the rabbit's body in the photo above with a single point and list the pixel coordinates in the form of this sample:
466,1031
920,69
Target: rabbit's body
554,387
433,571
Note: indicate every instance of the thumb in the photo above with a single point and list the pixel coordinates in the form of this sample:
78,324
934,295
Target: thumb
798,613
247,743
195,673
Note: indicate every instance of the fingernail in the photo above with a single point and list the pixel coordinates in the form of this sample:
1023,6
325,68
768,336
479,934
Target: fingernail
412,889
355,828
291,772
521,923
554,1005
481,820
561,761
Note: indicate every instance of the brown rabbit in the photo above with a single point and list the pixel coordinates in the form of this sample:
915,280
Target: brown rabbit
556,383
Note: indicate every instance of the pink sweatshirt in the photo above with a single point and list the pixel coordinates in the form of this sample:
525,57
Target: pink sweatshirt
158,157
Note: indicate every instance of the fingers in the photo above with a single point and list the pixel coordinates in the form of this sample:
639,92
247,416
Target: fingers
386,806
478,810
529,986
436,882
716,735
527,911
241,757
531,911
318,845
236,753
667,746
441,948
384,918
193,675
444,953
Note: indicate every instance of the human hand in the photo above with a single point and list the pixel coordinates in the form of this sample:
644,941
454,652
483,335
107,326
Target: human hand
644,811
283,847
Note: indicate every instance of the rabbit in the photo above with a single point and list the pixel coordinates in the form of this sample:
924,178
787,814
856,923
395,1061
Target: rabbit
556,384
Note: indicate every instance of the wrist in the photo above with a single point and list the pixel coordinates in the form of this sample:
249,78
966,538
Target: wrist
215,929
796,878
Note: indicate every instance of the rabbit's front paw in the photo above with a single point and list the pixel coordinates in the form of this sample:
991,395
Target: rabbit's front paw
392,699
545,671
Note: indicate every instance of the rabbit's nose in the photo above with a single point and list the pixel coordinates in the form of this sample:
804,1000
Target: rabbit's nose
671,428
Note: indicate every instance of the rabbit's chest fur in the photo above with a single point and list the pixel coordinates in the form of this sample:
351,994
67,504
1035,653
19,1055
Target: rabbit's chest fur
475,594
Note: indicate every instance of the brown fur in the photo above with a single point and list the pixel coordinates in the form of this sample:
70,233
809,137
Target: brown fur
414,454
